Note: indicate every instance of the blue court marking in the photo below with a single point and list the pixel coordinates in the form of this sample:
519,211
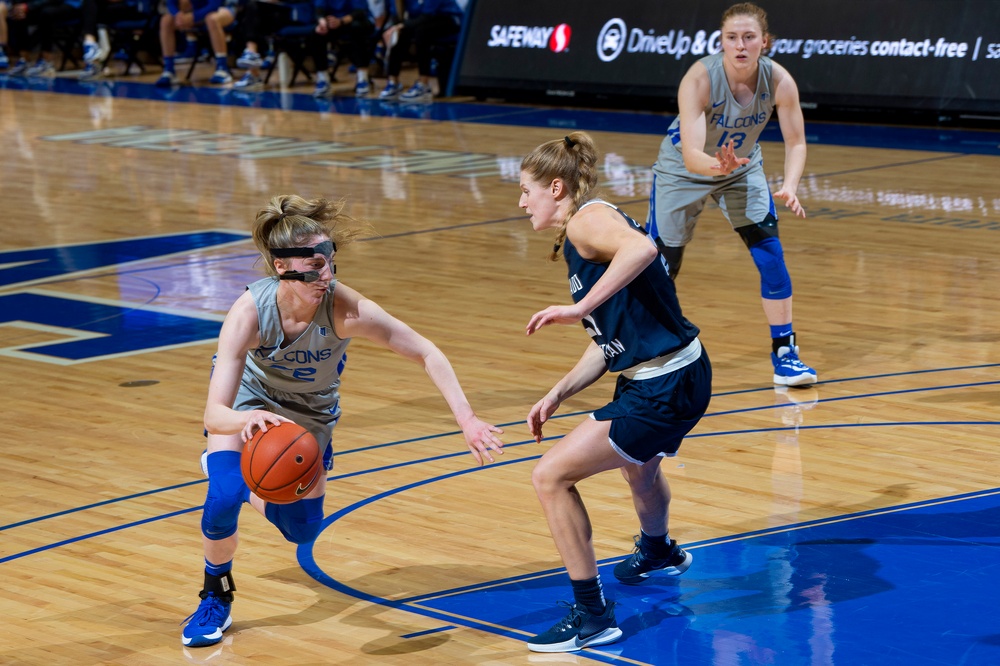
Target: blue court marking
417,634
561,416
827,382
979,142
737,595
914,584
27,265
91,535
851,397
421,461
92,330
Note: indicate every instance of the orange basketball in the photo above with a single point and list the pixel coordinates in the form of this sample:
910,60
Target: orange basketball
283,464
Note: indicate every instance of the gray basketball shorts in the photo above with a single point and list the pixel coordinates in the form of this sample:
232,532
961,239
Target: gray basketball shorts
676,200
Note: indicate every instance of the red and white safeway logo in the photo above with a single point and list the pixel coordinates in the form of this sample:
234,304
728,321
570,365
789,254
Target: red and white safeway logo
559,41
554,38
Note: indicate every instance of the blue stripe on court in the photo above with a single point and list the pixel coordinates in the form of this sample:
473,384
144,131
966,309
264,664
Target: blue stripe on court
30,264
873,587
870,590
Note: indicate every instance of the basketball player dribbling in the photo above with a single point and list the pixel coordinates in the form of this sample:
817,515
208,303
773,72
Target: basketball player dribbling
280,355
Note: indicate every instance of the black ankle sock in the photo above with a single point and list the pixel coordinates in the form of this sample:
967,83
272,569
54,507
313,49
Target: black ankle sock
655,547
589,594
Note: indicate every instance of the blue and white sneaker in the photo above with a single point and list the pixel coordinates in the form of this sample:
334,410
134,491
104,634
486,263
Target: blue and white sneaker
166,80
391,92
789,370
19,68
249,60
362,89
322,88
89,71
206,625
221,77
248,82
4,60
92,52
418,92
41,68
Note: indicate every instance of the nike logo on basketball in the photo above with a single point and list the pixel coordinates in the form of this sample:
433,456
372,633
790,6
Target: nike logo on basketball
299,490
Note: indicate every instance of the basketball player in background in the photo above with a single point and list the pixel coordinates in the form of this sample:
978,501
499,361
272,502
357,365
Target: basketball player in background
626,301
712,149
281,352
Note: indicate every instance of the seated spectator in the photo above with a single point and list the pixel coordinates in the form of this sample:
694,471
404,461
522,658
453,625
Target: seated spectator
349,27
185,16
96,44
426,23
253,15
32,25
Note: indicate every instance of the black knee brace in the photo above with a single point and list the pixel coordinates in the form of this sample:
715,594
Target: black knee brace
755,233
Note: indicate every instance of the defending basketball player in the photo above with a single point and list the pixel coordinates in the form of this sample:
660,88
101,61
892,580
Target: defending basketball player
627,304
711,149
281,352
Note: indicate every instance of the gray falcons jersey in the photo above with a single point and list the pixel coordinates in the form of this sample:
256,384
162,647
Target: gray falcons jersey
726,119
311,363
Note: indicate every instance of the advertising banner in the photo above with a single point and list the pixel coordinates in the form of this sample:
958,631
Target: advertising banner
917,54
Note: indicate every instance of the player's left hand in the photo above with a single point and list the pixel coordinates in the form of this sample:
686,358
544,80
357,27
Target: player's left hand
555,314
540,413
480,439
728,162
791,201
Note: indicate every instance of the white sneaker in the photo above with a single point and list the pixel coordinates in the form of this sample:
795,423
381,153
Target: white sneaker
221,77
249,60
322,88
417,93
391,92
248,82
89,71
94,53
41,68
166,80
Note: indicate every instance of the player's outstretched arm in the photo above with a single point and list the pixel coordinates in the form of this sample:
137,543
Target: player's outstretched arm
587,370
356,316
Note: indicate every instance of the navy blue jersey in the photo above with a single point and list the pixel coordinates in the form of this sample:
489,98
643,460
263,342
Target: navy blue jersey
642,321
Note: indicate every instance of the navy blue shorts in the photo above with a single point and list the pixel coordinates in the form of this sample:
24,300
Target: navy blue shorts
650,417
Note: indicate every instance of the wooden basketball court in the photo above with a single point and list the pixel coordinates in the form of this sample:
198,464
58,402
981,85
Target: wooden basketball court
895,273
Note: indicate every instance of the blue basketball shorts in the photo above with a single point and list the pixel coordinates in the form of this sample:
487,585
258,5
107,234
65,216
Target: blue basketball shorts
650,417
